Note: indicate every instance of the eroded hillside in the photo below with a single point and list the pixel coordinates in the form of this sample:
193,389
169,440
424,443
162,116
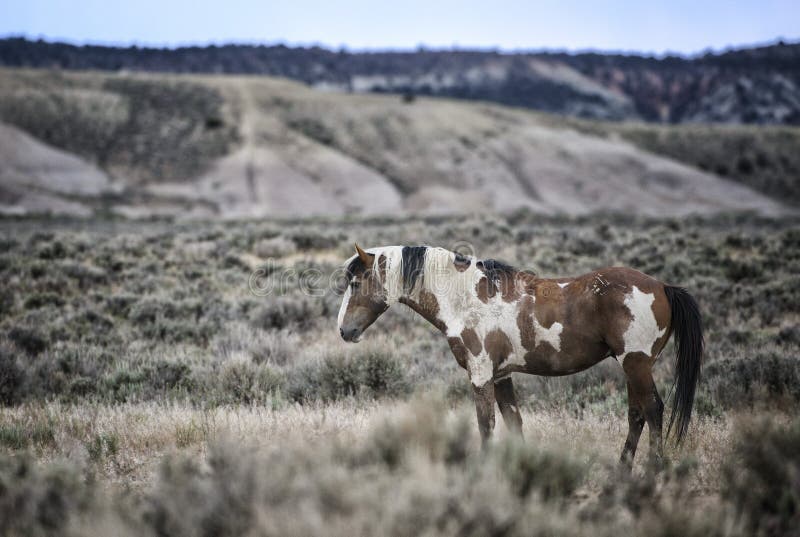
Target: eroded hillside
217,146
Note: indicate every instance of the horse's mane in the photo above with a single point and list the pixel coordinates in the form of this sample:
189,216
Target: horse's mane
494,269
411,268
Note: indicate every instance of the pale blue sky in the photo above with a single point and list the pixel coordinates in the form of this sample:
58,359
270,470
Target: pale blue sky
623,25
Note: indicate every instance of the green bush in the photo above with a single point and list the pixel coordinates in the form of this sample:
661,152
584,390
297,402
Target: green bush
30,340
762,478
41,500
102,446
43,299
286,311
528,468
11,375
762,377
373,374
242,381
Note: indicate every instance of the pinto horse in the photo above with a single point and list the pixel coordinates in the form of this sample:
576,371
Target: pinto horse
499,320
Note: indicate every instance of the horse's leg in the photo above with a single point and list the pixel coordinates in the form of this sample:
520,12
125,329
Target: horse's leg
654,414
507,401
637,368
484,404
635,426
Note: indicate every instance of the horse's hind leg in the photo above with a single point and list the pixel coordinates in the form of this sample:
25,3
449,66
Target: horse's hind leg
635,426
644,404
654,414
507,401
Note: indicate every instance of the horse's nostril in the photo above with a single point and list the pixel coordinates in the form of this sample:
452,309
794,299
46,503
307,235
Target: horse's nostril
349,334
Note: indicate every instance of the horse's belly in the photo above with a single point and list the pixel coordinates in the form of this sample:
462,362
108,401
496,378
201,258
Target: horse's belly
548,360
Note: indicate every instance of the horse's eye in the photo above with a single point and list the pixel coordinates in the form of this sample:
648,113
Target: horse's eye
354,285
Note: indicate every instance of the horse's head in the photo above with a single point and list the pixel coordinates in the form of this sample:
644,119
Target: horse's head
364,299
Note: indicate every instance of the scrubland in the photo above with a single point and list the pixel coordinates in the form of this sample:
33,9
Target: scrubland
162,378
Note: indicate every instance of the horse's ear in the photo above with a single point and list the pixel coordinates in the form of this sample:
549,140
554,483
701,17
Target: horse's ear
365,257
461,262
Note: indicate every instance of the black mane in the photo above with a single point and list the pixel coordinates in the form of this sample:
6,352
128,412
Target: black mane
413,265
494,268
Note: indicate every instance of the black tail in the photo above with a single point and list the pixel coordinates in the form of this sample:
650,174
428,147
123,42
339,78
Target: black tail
688,329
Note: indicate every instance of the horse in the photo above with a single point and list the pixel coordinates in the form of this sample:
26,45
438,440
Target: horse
499,320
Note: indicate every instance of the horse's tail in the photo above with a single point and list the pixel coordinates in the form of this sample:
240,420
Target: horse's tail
688,329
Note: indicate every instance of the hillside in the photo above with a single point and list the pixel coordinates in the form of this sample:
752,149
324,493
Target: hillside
759,85
214,146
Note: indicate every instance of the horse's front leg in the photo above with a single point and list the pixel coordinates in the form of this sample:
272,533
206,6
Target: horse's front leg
484,404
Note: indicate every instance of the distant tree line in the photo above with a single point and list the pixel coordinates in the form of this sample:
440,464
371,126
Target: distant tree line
670,88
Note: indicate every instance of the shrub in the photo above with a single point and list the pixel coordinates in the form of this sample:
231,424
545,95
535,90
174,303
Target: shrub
86,275
383,374
11,375
43,299
528,468
763,477
102,445
6,301
765,376
275,247
13,436
372,374
242,381
29,340
292,310
40,500
165,376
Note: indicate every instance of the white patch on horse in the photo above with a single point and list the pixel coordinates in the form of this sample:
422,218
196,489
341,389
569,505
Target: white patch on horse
643,331
454,290
550,335
480,369
563,285
460,308
343,307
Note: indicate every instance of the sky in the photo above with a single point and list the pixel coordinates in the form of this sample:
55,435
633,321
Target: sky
649,26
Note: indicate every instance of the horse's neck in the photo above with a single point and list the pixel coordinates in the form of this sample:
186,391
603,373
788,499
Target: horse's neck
446,304
453,308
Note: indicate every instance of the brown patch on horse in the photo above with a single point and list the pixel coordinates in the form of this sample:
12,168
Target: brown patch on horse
526,282
510,288
548,291
524,323
428,307
485,289
549,300
471,340
382,267
459,350
498,346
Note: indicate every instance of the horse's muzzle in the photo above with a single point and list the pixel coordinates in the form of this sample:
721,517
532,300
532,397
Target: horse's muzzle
350,334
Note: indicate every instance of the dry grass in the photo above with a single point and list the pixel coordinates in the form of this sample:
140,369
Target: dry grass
345,468
146,432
